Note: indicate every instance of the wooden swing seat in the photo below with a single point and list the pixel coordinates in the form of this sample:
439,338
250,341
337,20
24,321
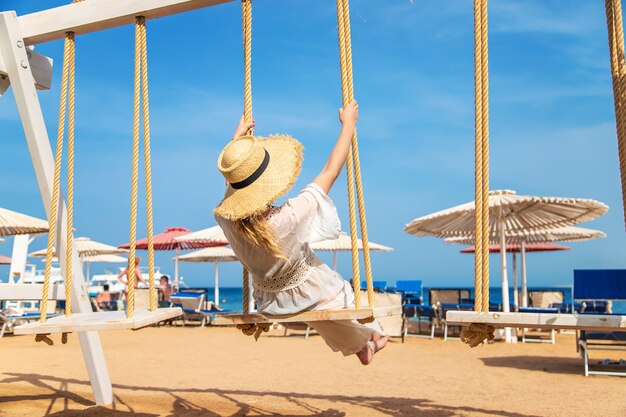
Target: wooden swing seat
598,322
108,320
306,316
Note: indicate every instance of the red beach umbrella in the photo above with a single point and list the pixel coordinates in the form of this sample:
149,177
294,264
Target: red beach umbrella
5,260
517,248
166,241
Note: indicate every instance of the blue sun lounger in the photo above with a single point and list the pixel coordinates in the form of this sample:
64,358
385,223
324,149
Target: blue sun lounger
9,321
594,289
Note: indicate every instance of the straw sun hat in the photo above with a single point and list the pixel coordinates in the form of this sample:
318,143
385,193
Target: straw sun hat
258,171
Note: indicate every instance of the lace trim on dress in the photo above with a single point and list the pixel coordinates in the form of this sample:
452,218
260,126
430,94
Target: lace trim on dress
289,280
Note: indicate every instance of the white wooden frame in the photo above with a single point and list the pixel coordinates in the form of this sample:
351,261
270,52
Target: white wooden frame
308,316
25,292
25,70
597,322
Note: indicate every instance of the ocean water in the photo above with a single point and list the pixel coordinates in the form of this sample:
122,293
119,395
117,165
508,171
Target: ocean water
230,298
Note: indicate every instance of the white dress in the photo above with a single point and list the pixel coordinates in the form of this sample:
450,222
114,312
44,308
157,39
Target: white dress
303,282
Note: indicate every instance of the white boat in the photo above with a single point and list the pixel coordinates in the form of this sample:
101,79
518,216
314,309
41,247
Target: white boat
97,282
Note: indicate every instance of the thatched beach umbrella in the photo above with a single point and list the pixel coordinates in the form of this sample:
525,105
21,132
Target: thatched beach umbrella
524,239
508,213
214,254
14,223
344,244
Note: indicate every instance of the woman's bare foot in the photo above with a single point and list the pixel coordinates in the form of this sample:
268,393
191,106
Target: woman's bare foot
376,337
380,343
366,355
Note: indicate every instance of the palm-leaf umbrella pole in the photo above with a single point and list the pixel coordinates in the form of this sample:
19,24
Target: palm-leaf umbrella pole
166,241
513,249
344,244
216,255
508,213
523,239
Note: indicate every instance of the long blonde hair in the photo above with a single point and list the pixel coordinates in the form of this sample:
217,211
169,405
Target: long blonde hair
256,230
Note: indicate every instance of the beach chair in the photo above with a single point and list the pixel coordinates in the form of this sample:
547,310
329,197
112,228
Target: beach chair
423,313
538,335
11,320
192,304
27,292
445,299
298,326
443,308
210,311
595,290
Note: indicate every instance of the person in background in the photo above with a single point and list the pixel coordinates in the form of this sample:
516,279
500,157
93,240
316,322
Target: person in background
103,299
138,276
165,291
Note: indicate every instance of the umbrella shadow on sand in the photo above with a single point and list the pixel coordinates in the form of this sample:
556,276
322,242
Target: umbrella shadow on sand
549,364
240,402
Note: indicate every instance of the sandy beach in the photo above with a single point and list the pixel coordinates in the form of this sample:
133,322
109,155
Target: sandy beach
175,371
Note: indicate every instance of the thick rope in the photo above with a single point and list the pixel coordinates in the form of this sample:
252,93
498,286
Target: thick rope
357,163
618,73
478,143
353,164
245,284
476,334
69,274
141,23
246,26
254,329
130,296
56,186
485,151
345,93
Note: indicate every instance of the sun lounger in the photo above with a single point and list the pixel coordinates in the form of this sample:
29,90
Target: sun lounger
443,308
529,335
595,289
12,320
423,313
191,303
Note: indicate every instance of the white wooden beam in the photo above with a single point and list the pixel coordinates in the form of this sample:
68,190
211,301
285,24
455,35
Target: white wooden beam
40,65
106,320
598,322
306,316
94,15
21,76
15,292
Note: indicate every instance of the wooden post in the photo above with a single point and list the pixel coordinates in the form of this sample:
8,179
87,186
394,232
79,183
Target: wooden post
17,64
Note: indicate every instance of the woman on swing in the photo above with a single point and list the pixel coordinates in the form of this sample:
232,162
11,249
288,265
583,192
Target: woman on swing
272,242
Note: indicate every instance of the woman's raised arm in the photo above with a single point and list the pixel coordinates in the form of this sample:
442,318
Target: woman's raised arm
348,116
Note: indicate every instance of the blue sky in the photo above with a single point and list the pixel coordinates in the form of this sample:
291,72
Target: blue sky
552,120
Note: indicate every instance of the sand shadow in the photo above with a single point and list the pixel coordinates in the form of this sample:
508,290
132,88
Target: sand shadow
184,407
549,364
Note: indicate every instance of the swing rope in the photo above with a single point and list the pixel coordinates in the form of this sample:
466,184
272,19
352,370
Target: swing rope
140,102
476,334
618,72
246,25
67,78
353,164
